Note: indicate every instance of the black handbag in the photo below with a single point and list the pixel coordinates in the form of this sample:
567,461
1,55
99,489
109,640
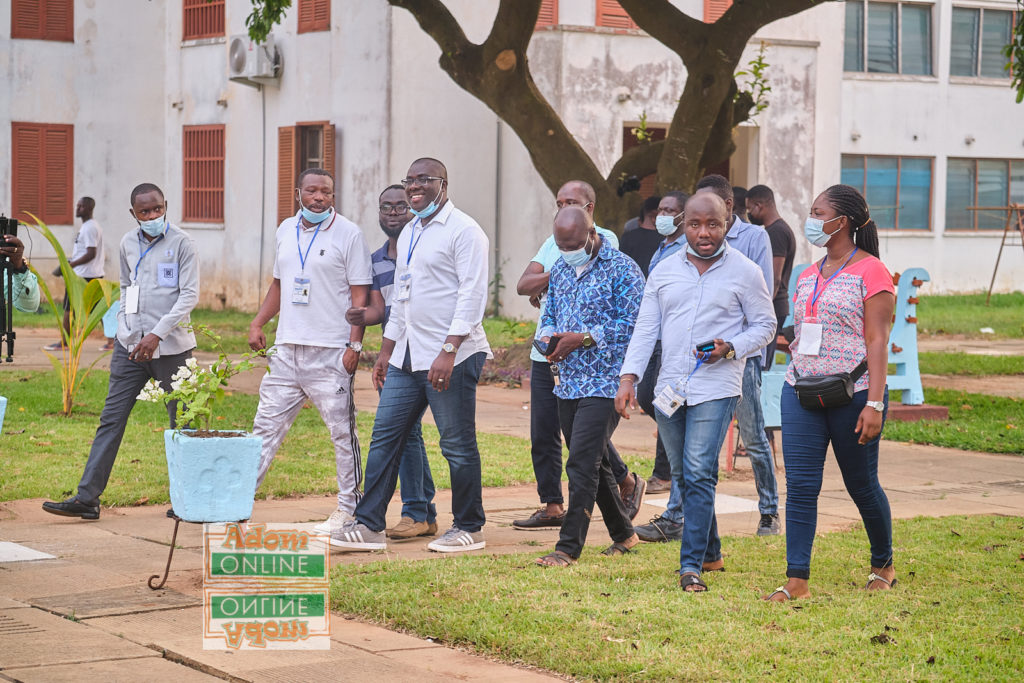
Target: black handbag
827,391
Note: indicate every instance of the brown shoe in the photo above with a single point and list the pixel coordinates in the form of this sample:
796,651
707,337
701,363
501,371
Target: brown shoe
539,520
655,485
633,497
409,528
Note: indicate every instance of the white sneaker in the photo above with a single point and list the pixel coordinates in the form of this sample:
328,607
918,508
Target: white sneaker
455,540
334,522
356,536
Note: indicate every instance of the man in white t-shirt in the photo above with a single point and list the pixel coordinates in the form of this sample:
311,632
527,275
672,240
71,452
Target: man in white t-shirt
322,269
87,256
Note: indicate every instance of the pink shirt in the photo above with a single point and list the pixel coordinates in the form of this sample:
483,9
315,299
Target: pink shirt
840,310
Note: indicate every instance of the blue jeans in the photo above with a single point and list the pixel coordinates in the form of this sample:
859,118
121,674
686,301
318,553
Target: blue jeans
693,437
750,417
417,485
806,435
403,400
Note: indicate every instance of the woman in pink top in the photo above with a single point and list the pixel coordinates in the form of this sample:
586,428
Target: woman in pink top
843,309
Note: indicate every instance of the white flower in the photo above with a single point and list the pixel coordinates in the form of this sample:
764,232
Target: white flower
192,364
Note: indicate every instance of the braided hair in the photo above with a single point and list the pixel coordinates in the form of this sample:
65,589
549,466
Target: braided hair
847,201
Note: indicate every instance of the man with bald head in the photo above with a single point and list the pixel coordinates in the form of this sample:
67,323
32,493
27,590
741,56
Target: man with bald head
712,309
593,298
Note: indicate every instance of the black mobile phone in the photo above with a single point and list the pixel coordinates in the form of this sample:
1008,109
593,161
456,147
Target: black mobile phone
706,347
545,349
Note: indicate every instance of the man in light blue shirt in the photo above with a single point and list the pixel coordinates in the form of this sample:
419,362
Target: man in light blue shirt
710,293
24,284
545,434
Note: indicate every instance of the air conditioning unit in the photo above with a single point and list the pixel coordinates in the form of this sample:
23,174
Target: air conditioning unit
252,63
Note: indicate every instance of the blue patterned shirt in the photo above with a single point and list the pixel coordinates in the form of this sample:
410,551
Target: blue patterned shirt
383,267
604,300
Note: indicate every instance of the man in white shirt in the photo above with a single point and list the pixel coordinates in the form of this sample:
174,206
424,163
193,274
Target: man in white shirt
432,353
322,269
87,256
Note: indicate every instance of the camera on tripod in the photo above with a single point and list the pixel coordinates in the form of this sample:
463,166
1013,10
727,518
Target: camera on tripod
8,226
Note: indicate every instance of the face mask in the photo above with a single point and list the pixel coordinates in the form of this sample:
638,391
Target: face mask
313,216
665,225
577,257
814,231
691,250
430,208
153,227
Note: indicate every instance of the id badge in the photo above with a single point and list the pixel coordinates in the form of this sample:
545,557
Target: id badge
131,299
555,375
810,337
668,401
167,274
300,291
403,287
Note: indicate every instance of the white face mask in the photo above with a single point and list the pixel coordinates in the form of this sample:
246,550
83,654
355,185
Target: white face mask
577,257
814,230
665,225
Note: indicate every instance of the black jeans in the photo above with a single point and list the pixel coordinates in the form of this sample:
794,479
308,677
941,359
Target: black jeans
587,424
546,438
645,397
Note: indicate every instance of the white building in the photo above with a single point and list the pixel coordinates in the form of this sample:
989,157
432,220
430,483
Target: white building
99,95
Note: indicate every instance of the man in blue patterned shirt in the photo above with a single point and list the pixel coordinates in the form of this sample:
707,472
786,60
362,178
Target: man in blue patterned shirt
593,300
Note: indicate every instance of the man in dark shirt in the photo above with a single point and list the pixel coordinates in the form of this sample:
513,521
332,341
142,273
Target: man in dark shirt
761,209
640,244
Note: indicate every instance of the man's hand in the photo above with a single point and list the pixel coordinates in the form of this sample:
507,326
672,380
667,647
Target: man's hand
257,340
441,371
143,351
626,396
569,342
380,370
14,249
350,361
356,316
869,425
535,301
721,348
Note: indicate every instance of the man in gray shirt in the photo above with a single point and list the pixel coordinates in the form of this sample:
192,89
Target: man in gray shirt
159,289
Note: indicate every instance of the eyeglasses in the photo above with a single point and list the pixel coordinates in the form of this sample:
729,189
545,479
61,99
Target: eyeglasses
394,208
570,202
420,180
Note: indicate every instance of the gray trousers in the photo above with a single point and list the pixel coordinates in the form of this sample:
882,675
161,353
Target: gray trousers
126,381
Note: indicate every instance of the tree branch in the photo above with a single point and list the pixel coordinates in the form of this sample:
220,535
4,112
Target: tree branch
678,31
438,23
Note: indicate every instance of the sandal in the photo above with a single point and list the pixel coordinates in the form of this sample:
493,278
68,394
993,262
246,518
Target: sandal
556,559
716,566
872,577
780,589
616,549
691,583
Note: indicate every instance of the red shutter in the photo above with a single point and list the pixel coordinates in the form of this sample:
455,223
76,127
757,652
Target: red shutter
714,9
286,175
42,162
548,15
26,180
58,174
314,15
203,168
26,18
202,19
611,15
43,19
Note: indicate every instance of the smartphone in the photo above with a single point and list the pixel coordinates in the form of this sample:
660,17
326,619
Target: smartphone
706,347
545,349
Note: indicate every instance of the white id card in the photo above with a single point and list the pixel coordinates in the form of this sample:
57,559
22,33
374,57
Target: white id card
668,401
131,300
300,291
810,338
403,287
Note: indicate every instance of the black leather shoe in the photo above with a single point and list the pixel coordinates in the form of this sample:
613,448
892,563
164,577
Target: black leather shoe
660,530
73,508
539,520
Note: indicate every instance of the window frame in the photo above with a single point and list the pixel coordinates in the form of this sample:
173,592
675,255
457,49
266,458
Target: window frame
62,34
977,76
201,31
899,173
192,193
863,70
290,162
44,182
996,230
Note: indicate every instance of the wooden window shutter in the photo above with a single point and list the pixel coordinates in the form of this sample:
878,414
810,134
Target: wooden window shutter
58,174
611,15
203,168
314,15
202,19
714,9
43,19
26,180
328,138
286,172
42,161
548,15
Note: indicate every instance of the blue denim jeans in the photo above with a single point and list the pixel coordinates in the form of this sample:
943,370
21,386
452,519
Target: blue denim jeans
806,435
693,437
416,482
403,400
750,417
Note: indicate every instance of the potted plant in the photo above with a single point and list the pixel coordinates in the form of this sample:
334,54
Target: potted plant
211,473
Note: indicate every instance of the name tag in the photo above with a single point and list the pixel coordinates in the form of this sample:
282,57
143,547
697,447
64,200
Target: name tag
131,299
167,274
810,338
403,287
669,400
300,291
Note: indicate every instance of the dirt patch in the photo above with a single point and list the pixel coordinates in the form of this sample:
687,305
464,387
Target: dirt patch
1010,386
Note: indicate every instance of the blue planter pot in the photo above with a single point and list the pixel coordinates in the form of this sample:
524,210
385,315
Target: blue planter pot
3,409
212,479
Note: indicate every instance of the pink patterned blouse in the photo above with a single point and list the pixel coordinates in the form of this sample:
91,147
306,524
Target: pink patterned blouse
840,310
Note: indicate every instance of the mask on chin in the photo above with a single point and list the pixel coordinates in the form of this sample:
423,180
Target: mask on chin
315,216
577,257
691,250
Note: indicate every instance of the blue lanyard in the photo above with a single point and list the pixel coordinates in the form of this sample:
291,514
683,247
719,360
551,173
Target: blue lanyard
151,245
700,362
815,294
298,243
413,243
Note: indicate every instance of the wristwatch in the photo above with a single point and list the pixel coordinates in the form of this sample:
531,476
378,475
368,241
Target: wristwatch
732,351
355,346
449,347
588,341
877,405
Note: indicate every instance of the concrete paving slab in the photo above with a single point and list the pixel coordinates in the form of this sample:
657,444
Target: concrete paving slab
457,665
112,671
373,638
131,599
15,552
22,581
7,602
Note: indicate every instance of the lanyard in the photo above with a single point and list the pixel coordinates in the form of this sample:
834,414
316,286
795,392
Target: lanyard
298,243
815,295
413,242
151,245
700,361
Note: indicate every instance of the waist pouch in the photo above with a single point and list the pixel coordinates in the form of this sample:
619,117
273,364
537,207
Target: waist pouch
827,391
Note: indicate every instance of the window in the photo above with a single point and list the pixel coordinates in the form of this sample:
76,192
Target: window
203,19
898,189
981,183
306,145
42,177
611,15
889,37
204,174
714,9
43,19
977,43
548,15
314,15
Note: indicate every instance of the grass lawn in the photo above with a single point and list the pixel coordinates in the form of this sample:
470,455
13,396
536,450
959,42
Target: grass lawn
955,615
933,363
966,314
42,453
976,422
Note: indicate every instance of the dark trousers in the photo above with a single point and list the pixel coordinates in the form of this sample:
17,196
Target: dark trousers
546,438
587,424
645,397
126,381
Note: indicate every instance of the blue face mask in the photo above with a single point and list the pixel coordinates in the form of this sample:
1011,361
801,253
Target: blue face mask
814,231
691,250
430,208
313,216
154,227
665,225
577,257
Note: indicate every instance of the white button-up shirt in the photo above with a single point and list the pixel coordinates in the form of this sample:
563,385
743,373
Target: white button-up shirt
447,261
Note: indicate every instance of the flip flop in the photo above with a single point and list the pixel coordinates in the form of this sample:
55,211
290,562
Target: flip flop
875,577
691,583
555,559
616,549
780,589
